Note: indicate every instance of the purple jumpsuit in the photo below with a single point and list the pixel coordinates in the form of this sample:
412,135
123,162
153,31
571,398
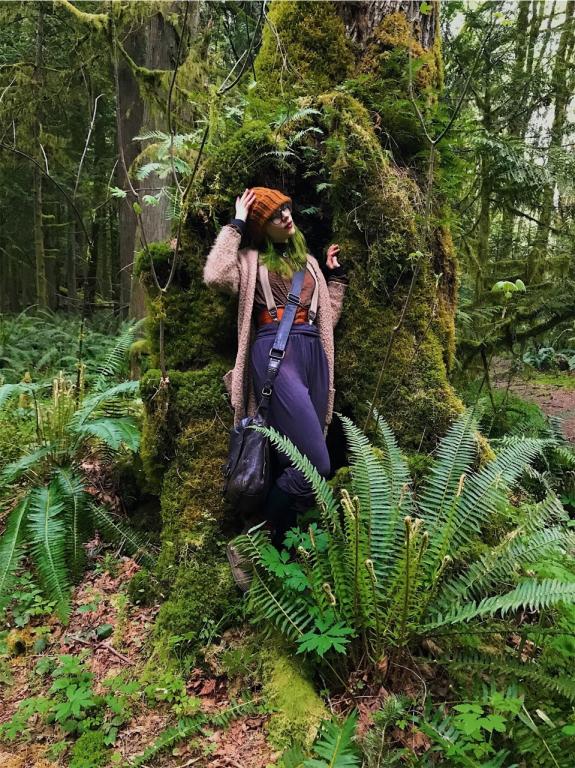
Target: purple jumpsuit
299,400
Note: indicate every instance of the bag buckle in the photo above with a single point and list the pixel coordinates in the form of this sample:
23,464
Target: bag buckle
293,298
279,354
266,391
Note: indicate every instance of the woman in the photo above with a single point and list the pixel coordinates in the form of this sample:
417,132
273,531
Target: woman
302,402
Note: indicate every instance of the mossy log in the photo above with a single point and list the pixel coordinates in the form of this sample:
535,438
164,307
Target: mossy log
331,121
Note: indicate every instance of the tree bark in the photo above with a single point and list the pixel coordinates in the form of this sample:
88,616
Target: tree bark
39,249
561,96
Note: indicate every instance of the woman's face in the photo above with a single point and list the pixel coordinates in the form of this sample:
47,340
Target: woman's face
280,227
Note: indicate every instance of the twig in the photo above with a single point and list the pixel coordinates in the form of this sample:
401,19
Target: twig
90,129
102,644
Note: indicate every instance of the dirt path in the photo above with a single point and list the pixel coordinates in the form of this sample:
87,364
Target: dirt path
553,399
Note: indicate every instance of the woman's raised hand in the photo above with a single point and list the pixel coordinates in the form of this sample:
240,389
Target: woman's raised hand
332,254
244,203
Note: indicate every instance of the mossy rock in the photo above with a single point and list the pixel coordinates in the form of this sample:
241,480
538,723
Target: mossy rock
288,689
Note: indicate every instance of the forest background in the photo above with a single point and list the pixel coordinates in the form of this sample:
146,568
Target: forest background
433,141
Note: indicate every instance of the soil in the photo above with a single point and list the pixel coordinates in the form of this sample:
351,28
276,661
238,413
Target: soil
100,600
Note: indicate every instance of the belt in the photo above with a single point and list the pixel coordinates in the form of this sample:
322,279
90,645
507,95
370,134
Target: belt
301,316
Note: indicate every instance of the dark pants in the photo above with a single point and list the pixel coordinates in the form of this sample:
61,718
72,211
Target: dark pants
299,400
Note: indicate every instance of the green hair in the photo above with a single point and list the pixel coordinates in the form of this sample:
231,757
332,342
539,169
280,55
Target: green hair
293,259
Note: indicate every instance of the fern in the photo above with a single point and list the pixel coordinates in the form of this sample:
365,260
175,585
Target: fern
116,531
47,535
116,358
335,746
11,544
324,494
384,578
79,525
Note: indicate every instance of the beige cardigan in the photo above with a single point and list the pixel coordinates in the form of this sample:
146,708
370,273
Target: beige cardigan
235,271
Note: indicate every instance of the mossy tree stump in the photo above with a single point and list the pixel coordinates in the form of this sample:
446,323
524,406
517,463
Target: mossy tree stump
331,121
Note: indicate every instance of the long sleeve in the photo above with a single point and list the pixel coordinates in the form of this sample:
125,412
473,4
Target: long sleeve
336,290
221,269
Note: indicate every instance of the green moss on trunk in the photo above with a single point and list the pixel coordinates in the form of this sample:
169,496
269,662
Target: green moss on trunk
335,159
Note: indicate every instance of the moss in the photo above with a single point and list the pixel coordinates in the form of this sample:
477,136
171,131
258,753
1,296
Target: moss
192,568
289,691
159,254
313,37
189,395
143,588
89,751
98,21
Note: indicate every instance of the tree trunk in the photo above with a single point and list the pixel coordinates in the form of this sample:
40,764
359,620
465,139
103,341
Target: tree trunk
40,260
395,341
71,261
130,110
561,98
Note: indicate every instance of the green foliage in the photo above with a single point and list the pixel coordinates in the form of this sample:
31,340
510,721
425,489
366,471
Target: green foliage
376,573
334,747
73,705
52,513
190,726
46,343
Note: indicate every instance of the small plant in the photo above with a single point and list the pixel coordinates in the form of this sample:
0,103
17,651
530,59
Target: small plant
72,703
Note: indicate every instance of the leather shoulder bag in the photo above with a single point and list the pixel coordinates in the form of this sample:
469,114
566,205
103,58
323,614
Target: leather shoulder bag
248,473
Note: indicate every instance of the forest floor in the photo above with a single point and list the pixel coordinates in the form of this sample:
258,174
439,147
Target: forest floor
100,601
553,393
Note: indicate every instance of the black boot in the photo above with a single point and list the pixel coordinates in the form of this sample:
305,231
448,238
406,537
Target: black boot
280,511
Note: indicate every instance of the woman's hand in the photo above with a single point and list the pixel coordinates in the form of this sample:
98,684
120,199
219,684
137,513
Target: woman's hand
243,204
331,258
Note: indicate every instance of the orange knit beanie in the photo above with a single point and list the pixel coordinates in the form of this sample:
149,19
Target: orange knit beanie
266,203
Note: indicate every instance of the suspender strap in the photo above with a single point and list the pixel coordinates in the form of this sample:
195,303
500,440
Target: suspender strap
312,313
265,283
268,295
277,351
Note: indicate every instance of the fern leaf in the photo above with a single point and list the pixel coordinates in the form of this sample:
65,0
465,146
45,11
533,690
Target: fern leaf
531,594
97,400
335,746
78,520
115,530
486,489
502,563
564,685
455,456
16,469
290,614
323,493
11,544
112,432
47,535
117,356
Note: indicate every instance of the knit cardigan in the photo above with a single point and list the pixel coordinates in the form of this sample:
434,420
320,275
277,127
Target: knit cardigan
234,270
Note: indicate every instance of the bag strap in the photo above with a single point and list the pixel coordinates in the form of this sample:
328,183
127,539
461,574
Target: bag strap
277,351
